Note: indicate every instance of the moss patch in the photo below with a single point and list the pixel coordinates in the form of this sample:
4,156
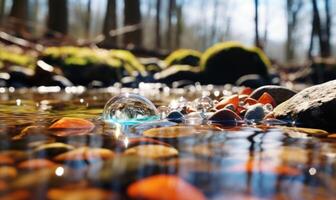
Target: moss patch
184,57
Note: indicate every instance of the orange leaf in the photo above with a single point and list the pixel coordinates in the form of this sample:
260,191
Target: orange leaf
250,101
234,100
72,123
164,187
267,98
246,91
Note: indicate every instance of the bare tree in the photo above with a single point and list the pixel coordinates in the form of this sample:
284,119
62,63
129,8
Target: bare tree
2,10
214,20
320,31
132,16
88,19
110,22
256,22
179,24
58,16
170,14
293,9
158,25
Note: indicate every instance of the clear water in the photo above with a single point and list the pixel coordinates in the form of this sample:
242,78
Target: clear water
245,162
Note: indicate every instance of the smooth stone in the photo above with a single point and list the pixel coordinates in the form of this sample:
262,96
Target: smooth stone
124,169
44,176
171,132
6,160
279,93
225,116
173,186
7,172
86,154
255,113
308,131
80,194
72,123
175,116
36,164
152,151
29,131
52,149
313,107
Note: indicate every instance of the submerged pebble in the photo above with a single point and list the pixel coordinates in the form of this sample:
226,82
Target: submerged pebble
255,113
152,151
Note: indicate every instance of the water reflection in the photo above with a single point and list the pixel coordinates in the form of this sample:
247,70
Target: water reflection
248,162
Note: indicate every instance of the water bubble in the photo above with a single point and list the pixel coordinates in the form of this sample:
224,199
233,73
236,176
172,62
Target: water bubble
268,108
203,105
179,104
129,109
163,111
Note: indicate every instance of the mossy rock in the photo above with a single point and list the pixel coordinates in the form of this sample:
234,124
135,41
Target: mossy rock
184,57
83,65
178,73
16,58
227,62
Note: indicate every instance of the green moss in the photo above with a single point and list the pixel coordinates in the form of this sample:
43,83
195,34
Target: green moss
24,60
82,56
131,63
227,45
184,57
175,69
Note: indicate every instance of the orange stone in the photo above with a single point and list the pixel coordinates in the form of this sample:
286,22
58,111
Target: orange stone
85,153
6,160
72,123
36,164
264,167
266,98
250,101
246,91
234,100
164,187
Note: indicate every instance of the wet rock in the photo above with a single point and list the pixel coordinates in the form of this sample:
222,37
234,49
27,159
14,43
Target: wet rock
45,177
227,62
279,93
233,100
152,151
308,131
171,132
80,194
175,116
6,160
314,107
86,154
72,123
51,150
183,57
174,187
36,164
252,81
225,116
123,170
255,113
7,172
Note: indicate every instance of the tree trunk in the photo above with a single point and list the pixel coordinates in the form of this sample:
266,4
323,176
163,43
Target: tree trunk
327,29
2,10
19,10
214,21
157,25
58,16
110,22
88,19
171,8
132,16
179,25
256,20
